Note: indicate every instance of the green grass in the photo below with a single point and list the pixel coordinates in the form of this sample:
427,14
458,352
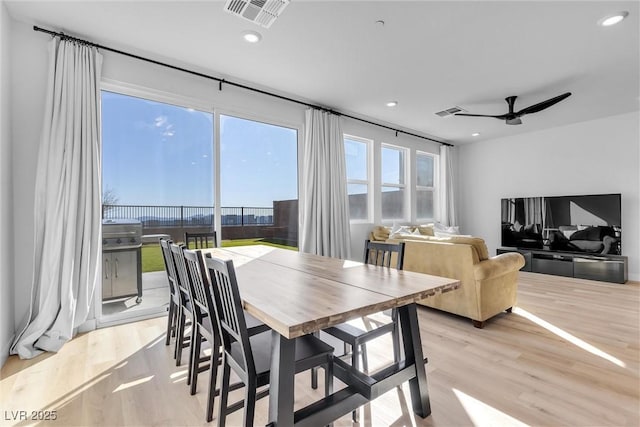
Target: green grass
248,242
152,254
152,258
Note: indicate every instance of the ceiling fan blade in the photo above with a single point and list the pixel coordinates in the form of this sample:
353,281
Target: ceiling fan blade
501,117
542,105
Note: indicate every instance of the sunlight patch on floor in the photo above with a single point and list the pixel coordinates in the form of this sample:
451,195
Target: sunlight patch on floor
178,374
134,383
482,414
569,337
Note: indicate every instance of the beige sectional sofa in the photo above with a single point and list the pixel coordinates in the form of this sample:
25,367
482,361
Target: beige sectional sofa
488,284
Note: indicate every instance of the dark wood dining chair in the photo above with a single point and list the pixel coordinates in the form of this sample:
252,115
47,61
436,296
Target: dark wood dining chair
178,318
250,356
205,328
380,254
201,240
185,298
174,297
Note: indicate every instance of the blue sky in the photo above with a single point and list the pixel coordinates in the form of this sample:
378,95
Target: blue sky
160,154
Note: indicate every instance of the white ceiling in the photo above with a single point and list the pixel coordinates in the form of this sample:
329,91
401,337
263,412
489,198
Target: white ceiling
428,56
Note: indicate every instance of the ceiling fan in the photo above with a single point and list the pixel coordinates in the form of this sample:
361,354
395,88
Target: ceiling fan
513,117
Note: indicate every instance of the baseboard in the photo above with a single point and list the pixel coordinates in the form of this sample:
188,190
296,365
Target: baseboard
88,326
5,351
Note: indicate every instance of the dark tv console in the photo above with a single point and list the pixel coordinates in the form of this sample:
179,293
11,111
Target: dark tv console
606,268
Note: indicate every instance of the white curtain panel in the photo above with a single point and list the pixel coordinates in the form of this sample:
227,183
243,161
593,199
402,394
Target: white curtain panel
324,217
447,191
67,231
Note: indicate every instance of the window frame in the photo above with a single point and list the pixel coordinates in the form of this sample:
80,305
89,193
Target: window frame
369,179
433,189
405,175
144,93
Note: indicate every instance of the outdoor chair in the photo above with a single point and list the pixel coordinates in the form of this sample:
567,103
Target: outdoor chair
200,240
250,356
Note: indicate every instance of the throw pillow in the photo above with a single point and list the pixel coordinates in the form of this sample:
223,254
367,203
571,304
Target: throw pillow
443,229
395,228
381,232
426,229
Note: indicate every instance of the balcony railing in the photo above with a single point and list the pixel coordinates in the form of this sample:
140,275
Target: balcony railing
189,216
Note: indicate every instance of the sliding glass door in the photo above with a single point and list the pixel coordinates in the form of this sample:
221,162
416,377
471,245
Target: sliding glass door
157,179
258,183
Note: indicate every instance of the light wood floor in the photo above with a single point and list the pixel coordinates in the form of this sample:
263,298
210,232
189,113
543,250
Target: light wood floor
567,356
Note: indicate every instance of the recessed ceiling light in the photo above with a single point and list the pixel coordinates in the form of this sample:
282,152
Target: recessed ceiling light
391,103
610,20
252,36
475,134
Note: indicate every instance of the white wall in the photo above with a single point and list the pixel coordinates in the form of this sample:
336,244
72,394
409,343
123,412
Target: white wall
6,213
595,157
28,81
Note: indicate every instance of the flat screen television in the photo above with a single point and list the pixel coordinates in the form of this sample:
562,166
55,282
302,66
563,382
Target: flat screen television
587,223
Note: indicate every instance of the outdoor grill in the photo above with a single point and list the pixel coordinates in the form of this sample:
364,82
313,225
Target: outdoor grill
121,259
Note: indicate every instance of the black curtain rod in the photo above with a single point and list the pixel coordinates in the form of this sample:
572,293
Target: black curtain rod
228,82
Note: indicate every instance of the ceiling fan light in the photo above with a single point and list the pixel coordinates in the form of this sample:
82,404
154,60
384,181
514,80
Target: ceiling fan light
515,121
610,20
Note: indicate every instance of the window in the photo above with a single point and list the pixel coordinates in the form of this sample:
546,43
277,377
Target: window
393,182
258,181
425,184
356,153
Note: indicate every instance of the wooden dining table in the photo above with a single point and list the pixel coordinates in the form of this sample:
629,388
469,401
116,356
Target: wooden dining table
297,294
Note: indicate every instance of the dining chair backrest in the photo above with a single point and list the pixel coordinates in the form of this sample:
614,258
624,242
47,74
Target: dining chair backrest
199,284
181,270
379,253
169,265
200,240
228,308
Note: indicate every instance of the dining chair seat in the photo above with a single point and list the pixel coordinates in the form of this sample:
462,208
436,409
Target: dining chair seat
309,352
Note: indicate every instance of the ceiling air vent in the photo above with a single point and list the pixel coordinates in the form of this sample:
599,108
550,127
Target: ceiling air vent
261,12
450,112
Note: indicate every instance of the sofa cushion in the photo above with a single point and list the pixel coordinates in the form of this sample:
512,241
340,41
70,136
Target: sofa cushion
476,242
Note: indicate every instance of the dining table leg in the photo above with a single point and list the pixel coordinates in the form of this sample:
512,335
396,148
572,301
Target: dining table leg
282,378
413,354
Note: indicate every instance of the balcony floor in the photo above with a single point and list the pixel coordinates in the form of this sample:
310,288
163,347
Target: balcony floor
155,293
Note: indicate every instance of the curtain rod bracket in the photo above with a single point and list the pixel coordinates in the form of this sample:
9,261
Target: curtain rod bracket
220,84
